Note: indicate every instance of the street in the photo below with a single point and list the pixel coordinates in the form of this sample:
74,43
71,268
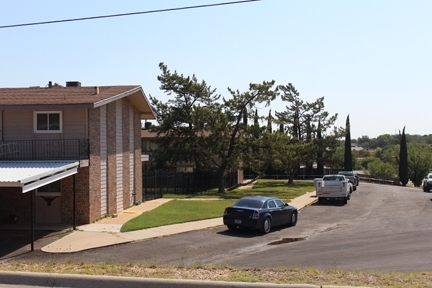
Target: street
382,228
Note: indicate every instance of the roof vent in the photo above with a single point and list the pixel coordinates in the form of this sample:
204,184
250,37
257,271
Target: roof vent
73,84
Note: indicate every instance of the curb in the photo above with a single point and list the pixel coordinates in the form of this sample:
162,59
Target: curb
90,281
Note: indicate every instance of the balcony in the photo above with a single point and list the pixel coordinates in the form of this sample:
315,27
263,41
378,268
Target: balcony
70,149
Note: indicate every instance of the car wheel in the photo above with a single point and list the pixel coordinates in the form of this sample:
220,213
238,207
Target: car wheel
345,200
320,200
424,188
355,188
348,197
266,227
231,227
293,221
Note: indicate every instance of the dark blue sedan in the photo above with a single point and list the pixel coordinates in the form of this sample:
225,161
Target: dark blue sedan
259,212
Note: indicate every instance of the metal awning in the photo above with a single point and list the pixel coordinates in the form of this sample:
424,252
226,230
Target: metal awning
30,175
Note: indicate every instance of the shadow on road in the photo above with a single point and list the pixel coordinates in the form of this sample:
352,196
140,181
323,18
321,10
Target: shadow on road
17,242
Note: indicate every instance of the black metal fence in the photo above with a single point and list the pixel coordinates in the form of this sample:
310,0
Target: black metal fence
69,149
158,183
299,175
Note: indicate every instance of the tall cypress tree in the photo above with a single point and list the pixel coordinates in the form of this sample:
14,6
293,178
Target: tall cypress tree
348,165
403,160
269,122
320,164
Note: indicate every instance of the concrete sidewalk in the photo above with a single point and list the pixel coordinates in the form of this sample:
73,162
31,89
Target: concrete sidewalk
106,232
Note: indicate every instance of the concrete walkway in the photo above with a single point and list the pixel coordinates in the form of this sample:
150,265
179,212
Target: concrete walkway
106,232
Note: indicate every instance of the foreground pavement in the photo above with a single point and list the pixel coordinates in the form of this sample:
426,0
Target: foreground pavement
107,231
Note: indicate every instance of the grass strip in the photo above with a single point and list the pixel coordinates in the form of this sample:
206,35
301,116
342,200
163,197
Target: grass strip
282,275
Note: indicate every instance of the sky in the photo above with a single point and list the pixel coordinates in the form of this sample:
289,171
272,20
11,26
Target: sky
370,59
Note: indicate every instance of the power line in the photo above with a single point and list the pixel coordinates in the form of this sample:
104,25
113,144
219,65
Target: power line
126,14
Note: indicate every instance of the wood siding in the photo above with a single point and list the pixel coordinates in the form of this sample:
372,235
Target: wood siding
119,155
75,124
103,160
18,125
131,154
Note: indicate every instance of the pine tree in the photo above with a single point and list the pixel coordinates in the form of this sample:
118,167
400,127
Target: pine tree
403,160
348,166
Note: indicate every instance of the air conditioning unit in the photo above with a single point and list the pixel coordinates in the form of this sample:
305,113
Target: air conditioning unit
73,84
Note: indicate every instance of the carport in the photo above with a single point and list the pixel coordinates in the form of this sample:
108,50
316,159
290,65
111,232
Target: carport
30,175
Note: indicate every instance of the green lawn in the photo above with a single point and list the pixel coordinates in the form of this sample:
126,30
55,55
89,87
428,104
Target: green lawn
210,204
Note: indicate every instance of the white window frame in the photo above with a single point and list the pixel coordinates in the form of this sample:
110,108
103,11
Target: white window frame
48,131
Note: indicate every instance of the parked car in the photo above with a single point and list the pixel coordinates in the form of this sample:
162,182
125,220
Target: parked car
259,212
427,183
333,187
353,178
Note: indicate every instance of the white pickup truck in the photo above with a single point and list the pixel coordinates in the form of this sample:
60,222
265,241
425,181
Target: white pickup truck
333,187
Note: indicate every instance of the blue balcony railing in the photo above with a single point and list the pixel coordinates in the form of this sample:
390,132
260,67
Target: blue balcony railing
70,149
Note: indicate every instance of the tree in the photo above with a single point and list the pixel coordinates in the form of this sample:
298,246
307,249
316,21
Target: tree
319,159
307,124
182,120
419,162
364,142
226,132
379,168
403,160
288,153
196,126
348,163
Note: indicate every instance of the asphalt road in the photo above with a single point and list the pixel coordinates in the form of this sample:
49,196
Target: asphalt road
382,228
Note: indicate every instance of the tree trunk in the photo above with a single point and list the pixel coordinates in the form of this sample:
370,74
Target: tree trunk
291,178
221,181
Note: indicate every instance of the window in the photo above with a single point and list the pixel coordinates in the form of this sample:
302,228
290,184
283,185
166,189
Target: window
50,190
271,204
48,122
280,203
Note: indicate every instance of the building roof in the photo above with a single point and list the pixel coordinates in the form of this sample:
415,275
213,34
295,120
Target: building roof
145,133
30,175
59,97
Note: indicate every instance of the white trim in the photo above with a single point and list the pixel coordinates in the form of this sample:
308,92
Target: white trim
116,97
35,113
30,175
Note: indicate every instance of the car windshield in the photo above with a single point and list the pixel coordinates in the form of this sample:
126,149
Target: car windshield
430,176
250,203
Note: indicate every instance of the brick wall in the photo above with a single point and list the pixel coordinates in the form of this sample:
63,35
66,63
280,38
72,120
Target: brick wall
84,214
125,143
138,163
94,169
14,206
111,142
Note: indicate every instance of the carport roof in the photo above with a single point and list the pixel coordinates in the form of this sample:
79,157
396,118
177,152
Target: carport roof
30,175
